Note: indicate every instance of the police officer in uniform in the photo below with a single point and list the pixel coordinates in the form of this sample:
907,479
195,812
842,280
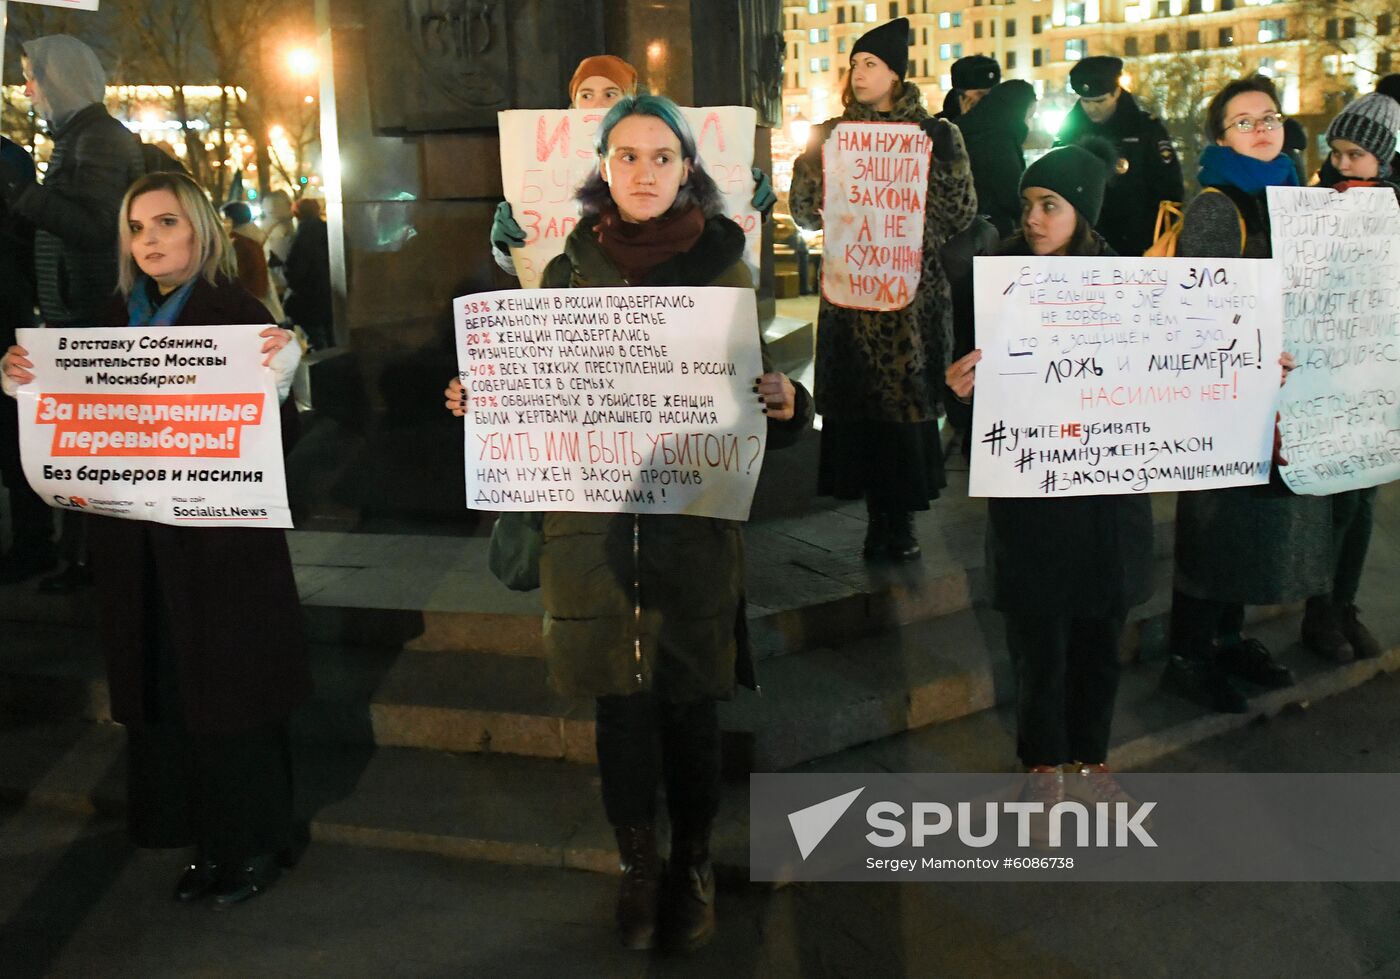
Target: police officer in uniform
973,77
1147,170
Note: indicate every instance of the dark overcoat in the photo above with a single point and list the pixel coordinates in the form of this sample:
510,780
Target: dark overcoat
224,598
650,602
1247,545
1079,556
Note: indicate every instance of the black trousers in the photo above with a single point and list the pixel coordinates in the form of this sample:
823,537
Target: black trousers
1196,624
1066,681
31,520
1353,516
227,795
642,741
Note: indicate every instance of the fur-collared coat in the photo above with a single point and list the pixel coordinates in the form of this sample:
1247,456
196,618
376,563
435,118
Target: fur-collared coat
887,366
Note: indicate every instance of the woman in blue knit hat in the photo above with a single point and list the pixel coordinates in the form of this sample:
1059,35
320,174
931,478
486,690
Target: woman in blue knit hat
1064,572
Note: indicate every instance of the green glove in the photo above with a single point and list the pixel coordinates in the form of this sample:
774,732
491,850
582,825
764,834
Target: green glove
763,196
505,233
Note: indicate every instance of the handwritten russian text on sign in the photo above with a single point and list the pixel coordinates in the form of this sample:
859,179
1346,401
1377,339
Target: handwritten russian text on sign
1341,320
546,154
175,425
875,179
612,400
1123,375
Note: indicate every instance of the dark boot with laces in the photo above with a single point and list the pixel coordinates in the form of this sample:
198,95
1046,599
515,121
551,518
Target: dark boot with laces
1322,630
690,890
876,534
902,544
1250,659
1199,678
638,896
1363,643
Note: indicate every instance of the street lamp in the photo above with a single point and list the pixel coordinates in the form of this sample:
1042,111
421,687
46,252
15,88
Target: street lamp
302,62
799,129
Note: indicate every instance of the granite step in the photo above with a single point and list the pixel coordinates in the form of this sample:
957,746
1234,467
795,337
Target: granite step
517,810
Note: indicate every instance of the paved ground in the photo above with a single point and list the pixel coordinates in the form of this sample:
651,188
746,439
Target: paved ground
76,900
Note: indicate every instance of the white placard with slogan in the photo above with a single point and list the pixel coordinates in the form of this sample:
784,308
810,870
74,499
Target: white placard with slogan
70,4
546,154
178,425
1123,375
875,179
612,400
1340,410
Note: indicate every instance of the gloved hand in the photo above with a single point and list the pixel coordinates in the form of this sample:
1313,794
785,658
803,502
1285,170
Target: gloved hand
763,196
941,131
505,233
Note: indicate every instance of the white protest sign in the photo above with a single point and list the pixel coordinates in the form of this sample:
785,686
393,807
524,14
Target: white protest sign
1123,375
546,154
178,425
1340,410
875,179
612,400
70,4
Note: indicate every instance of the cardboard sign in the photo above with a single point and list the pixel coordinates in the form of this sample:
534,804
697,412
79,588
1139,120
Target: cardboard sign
546,154
875,187
1340,254
178,425
612,400
1123,375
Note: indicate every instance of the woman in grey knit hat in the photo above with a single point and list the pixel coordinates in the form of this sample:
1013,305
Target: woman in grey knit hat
1362,138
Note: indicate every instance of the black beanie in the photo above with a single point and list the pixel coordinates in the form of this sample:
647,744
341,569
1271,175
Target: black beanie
888,42
1078,173
1389,85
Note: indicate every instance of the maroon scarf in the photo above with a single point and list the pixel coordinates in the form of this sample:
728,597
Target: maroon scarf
637,249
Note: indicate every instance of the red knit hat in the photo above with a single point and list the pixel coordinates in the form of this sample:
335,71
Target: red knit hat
610,67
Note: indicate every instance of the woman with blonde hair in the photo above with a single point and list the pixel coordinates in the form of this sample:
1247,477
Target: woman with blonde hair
201,627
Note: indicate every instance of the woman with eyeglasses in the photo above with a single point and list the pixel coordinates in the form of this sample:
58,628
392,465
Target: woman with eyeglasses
1246,545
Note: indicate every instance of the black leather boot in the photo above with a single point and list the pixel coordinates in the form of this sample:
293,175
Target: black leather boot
638,897
200,877
690,890
246,880
876,535
902,544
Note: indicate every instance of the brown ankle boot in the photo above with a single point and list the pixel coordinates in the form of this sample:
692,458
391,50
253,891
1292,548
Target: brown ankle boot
690,891
637,898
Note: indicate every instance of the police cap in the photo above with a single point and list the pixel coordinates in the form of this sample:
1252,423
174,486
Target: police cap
975,71
1095,76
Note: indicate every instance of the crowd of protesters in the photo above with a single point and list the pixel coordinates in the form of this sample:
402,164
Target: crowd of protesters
644,614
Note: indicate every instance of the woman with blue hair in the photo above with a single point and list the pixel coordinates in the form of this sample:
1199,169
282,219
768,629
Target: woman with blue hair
645,612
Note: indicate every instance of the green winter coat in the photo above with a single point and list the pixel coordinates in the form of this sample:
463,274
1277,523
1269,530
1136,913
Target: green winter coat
650,602
888,366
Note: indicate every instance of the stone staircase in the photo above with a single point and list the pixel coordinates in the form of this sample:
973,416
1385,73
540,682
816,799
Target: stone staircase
432,727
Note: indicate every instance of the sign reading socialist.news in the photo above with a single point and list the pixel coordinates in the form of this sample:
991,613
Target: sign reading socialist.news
175,425
1123,375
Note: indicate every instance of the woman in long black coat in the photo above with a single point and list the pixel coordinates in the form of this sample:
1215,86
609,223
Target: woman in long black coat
1064,572
201,627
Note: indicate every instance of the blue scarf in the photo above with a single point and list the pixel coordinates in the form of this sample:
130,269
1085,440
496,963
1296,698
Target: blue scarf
141,311
1223,167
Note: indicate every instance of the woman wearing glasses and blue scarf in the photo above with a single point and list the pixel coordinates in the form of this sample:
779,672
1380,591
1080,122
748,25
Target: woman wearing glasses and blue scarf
201,627
1247,545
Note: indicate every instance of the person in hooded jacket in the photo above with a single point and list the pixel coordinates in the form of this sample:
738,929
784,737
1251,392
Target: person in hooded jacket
1147,170
645,612
879,375
995,130
1243,545
1064,572
74,212
1362,139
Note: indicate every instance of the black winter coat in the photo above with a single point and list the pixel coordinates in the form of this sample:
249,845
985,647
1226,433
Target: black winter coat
95,159
224,598
308,271
1081,556
994,131
1148,172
